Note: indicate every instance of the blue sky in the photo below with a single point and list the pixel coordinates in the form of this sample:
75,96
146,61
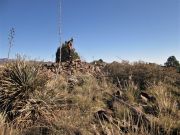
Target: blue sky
133,30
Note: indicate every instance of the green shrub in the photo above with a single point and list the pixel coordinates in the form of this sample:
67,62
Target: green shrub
65,54
172,62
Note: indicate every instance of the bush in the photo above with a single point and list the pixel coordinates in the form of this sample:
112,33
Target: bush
19,80
65,54
172,62
142,74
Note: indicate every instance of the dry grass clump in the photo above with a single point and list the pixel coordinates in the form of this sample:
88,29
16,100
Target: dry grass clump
159,82
164,98
77,107
169,113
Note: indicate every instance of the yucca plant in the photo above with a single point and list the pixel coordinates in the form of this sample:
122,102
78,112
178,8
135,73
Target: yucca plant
18,82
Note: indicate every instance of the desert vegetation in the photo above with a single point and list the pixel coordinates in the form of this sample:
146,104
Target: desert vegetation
121,98
63,52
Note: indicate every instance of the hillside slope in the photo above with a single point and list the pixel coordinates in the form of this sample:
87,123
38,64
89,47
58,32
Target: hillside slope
89,99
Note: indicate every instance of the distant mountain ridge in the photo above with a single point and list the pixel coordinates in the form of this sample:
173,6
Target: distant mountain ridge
3,60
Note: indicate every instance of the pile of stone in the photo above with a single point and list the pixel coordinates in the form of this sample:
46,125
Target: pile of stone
76,66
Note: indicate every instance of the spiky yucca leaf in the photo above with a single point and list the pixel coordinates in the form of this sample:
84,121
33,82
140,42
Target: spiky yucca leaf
18,81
